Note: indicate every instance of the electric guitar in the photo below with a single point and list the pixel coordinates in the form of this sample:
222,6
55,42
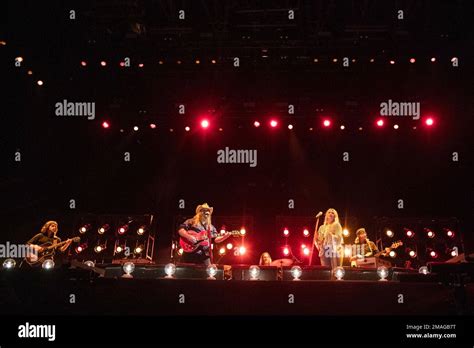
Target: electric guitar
201,240
48,251
394,245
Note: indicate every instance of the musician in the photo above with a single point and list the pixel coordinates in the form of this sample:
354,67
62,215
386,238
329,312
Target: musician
265,259
365,247
199,223
329,240
47,235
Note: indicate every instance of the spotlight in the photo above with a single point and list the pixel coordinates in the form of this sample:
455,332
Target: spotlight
395,126
118,249
345,232
303,246
433,59
343,127
392,254
286,251
135,128
256,124
327,123
429,121
85,228
306,232
141,65
141,230
229,246
89,263
103,229
389,233
213,61
47,264
243,232
429,233
334,60
372,60
412,60
19,59
30,72
197,61
160,62
423,270
152,125
433,254
382,272
454,252
412,254
122,64
170,270
286,232
178,62
99,248
339,273
103,63
83,63
80,248
450,233
123,229
128,268
180,251
306,251
211,272
138,249
242,250
9,264
296,272
40,83
273,123
105,124
204,124
187,129
409,233
290,126
254,272
380,122
392,62
222,251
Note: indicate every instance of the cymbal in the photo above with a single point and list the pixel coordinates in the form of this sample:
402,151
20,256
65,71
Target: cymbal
282,262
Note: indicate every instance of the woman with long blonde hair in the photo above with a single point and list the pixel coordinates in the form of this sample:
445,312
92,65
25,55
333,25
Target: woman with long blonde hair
329,241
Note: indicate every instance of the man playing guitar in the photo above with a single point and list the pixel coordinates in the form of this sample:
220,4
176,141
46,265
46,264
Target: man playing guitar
195,232
47,236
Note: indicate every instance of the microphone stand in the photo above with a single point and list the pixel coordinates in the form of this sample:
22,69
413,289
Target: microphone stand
211,256
314,241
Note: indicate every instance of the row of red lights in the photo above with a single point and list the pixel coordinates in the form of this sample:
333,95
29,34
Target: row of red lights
273,123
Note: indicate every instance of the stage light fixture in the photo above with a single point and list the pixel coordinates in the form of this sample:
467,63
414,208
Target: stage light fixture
429,233
222,251
205,124
213,61
433,254
103,229
141,65
118,249
290,126
254,272
380,122
80,248
372,60
105,125
412,60
339,273
122,64
433,59
242,250
343,127
412,254
138,249
170,270
345,232
99,248
286,251
160,62
392,254
128,268
389,233
423,270
103,63
135,128
40,83
256,124
83,229
429,121
326,123
187,129
273,123
306,251
306,232
83,63
141,230
286,232
449,233
152,125
122,229
9,264
296,272
19,59
395,126
180,251
409,233
334,60
30,72
392,62
229,246
89,263
211,272
47,264
382,272
197,61
454,252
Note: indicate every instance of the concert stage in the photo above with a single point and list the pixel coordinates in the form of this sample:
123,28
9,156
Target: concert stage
190,293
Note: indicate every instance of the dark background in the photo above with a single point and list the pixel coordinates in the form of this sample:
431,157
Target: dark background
66,157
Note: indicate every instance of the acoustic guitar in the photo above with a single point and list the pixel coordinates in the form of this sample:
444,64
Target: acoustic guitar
47,252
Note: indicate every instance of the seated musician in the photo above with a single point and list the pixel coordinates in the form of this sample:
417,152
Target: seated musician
201,222
265,259
364,246
47,235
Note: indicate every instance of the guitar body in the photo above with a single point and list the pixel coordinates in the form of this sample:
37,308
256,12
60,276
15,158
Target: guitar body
36,259
189,247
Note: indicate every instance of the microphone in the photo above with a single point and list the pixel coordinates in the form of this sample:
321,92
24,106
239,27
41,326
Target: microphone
319,214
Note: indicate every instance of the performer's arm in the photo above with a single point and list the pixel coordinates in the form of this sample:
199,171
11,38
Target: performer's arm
183,233
220,239
32,242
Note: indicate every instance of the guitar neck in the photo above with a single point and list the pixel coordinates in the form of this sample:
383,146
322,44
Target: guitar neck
57,245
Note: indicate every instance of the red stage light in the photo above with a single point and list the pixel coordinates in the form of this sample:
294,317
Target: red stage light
286,232
412,60
429,121
152,125
205,124
410,233
305,232
380,122
242,250
290,126
433,59
306,251
105,124
84,63
286,251
433,254
103,63
450,234
392,62
229,246
141,65
273,123
256,124
122,64
327,123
